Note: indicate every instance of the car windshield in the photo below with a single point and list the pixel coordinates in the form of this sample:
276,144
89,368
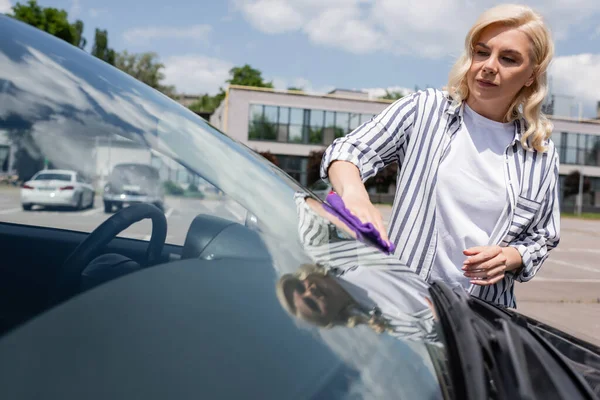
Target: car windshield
66,110
53,177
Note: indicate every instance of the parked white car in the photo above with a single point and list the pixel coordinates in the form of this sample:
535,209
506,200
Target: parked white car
54,187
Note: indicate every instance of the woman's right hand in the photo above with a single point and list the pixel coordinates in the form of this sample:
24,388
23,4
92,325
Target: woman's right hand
346,181
358,203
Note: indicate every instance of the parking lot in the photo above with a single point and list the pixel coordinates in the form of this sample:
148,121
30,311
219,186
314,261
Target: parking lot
565,293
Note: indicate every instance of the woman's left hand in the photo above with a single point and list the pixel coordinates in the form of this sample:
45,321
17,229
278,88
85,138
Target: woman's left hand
485,265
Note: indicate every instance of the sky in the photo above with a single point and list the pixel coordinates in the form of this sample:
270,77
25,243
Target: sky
319,45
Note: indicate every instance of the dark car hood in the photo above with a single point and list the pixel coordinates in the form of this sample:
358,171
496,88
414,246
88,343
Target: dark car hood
202,329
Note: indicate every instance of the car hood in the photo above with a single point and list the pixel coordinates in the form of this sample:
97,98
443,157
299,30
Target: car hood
199,328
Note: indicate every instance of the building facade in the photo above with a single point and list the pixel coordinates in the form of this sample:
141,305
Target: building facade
291,125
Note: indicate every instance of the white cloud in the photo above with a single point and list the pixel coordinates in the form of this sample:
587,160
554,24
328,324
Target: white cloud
577,76
272,16
343,28
5,6
429,28
196,32
192,74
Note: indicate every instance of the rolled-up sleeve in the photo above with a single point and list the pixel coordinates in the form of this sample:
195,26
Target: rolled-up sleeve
543,234
376,143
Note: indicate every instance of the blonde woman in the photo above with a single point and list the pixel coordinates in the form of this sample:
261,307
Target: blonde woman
477,197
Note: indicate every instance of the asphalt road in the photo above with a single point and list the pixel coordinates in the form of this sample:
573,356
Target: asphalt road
566,291
180,213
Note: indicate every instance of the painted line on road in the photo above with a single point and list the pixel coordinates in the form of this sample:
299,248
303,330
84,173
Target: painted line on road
11,210
574,265
92,211
570,280
562,250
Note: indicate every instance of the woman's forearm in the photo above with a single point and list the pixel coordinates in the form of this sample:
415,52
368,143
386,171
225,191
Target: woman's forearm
345,178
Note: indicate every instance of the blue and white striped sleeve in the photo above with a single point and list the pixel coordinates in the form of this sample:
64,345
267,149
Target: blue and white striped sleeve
376,143
543,234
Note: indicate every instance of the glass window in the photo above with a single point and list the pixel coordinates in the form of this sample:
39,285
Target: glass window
284,115
296,167
571,155
296,116
282,133
582,140
592,150
315,135
354,121
366,118
572,139
329,118
262,131
295,134
316,118
256,112
53,177
271,114
342,122
556,138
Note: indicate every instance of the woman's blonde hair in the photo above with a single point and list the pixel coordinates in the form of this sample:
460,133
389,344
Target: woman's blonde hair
528,102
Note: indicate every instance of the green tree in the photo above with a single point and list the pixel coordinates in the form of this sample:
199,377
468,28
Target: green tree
243,76
206,103
51,20
295,89
247,76
392,95
269,156
146,68
100,48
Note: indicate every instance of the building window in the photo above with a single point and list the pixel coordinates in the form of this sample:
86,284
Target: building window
263,123
578,148
315,135
303,126
296,167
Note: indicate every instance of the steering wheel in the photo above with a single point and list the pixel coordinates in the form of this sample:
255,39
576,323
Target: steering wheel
67,282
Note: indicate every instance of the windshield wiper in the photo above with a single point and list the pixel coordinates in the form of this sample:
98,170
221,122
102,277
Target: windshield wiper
524,360
464,355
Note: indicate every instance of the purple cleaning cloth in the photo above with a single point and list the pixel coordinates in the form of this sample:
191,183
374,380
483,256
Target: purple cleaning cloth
363,231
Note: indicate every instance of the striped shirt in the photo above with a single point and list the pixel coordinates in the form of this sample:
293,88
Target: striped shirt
415,132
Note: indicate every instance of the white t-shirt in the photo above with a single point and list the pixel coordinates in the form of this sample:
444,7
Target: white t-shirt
471,192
